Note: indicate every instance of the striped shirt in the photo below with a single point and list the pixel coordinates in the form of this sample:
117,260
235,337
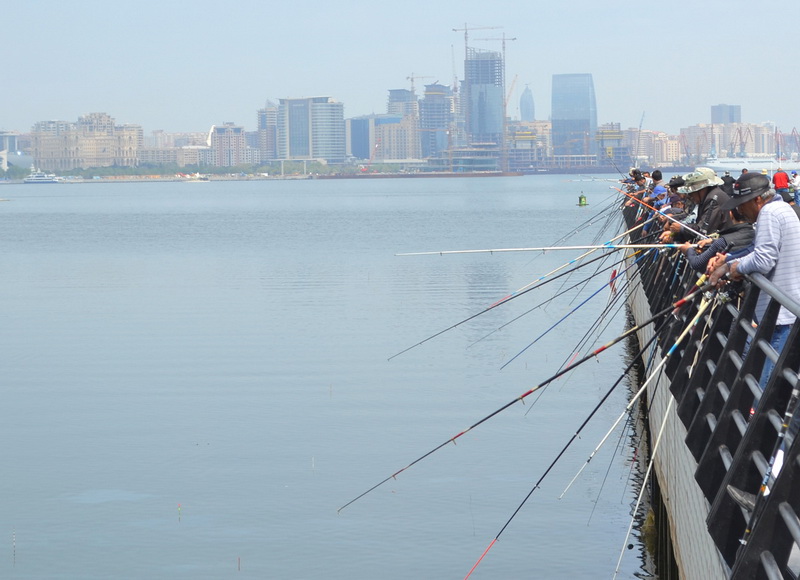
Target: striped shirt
776,254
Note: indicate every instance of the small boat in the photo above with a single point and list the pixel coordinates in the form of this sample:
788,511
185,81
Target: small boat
37,176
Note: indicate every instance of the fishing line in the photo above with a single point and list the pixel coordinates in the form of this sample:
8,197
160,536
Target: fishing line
644,483
561,453
520,292
516,293
553,297
676,305
703,305
562,319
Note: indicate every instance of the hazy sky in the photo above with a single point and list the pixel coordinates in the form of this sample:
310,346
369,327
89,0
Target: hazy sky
185,65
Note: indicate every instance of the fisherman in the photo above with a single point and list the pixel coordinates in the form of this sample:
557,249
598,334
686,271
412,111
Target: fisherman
776,247
733,239
701,187
727,186
796,187
776,255
780,182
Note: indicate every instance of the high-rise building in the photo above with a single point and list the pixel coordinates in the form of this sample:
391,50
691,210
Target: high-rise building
229,148
723,114
574,115
527,111
268,131
436,111
311,128
482,94
402,102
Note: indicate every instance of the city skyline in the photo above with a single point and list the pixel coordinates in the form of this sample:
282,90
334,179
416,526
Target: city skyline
184,70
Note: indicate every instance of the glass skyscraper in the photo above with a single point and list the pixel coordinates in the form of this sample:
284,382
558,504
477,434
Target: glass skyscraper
574,115
526,107
484,101
311,128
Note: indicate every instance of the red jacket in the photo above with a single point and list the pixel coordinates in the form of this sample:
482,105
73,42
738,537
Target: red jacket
780,180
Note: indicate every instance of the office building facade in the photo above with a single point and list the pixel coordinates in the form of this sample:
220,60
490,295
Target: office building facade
95,140
482,94
436,115
311,128
574,115
724,114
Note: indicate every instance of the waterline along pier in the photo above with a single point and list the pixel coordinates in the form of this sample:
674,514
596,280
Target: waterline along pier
700,405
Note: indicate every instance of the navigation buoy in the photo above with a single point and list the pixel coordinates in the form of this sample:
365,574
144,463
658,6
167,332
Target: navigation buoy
582,200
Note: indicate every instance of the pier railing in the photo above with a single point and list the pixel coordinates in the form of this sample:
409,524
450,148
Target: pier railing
733,428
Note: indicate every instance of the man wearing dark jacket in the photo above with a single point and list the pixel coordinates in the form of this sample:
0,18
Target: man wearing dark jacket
701,187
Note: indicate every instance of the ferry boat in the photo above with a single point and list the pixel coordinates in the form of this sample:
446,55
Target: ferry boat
735,164
37,176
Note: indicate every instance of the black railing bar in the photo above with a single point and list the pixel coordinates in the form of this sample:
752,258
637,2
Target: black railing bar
776,293
791,376
739,421
791,520
770,566
767,349
761,464
746,324
725,456
752,383
775,419
736,360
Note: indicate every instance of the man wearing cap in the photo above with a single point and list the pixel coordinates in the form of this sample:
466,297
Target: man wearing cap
776,255
776,248
701,187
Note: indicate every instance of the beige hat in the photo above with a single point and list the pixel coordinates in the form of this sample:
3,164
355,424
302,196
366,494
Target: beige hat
698,179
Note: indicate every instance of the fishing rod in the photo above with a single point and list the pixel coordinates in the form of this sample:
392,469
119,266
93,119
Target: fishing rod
528,287
701,309
583,341
675,305
525,289
643,487
568,314
545,249
502,326
658,211
661,430
763,489
568,444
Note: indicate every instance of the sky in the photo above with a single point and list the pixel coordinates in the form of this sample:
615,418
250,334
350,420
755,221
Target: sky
184,66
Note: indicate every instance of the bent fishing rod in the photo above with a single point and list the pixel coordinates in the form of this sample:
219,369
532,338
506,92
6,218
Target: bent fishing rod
570,442
675,305
531,286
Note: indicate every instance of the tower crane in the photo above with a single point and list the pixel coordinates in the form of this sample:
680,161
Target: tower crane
466,30
412,78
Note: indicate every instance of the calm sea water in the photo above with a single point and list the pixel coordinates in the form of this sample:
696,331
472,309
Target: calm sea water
195,378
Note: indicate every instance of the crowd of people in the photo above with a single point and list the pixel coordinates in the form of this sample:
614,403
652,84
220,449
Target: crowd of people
728,228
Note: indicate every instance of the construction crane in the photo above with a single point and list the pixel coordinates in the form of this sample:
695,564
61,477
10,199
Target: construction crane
412,78
466,30
511,90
